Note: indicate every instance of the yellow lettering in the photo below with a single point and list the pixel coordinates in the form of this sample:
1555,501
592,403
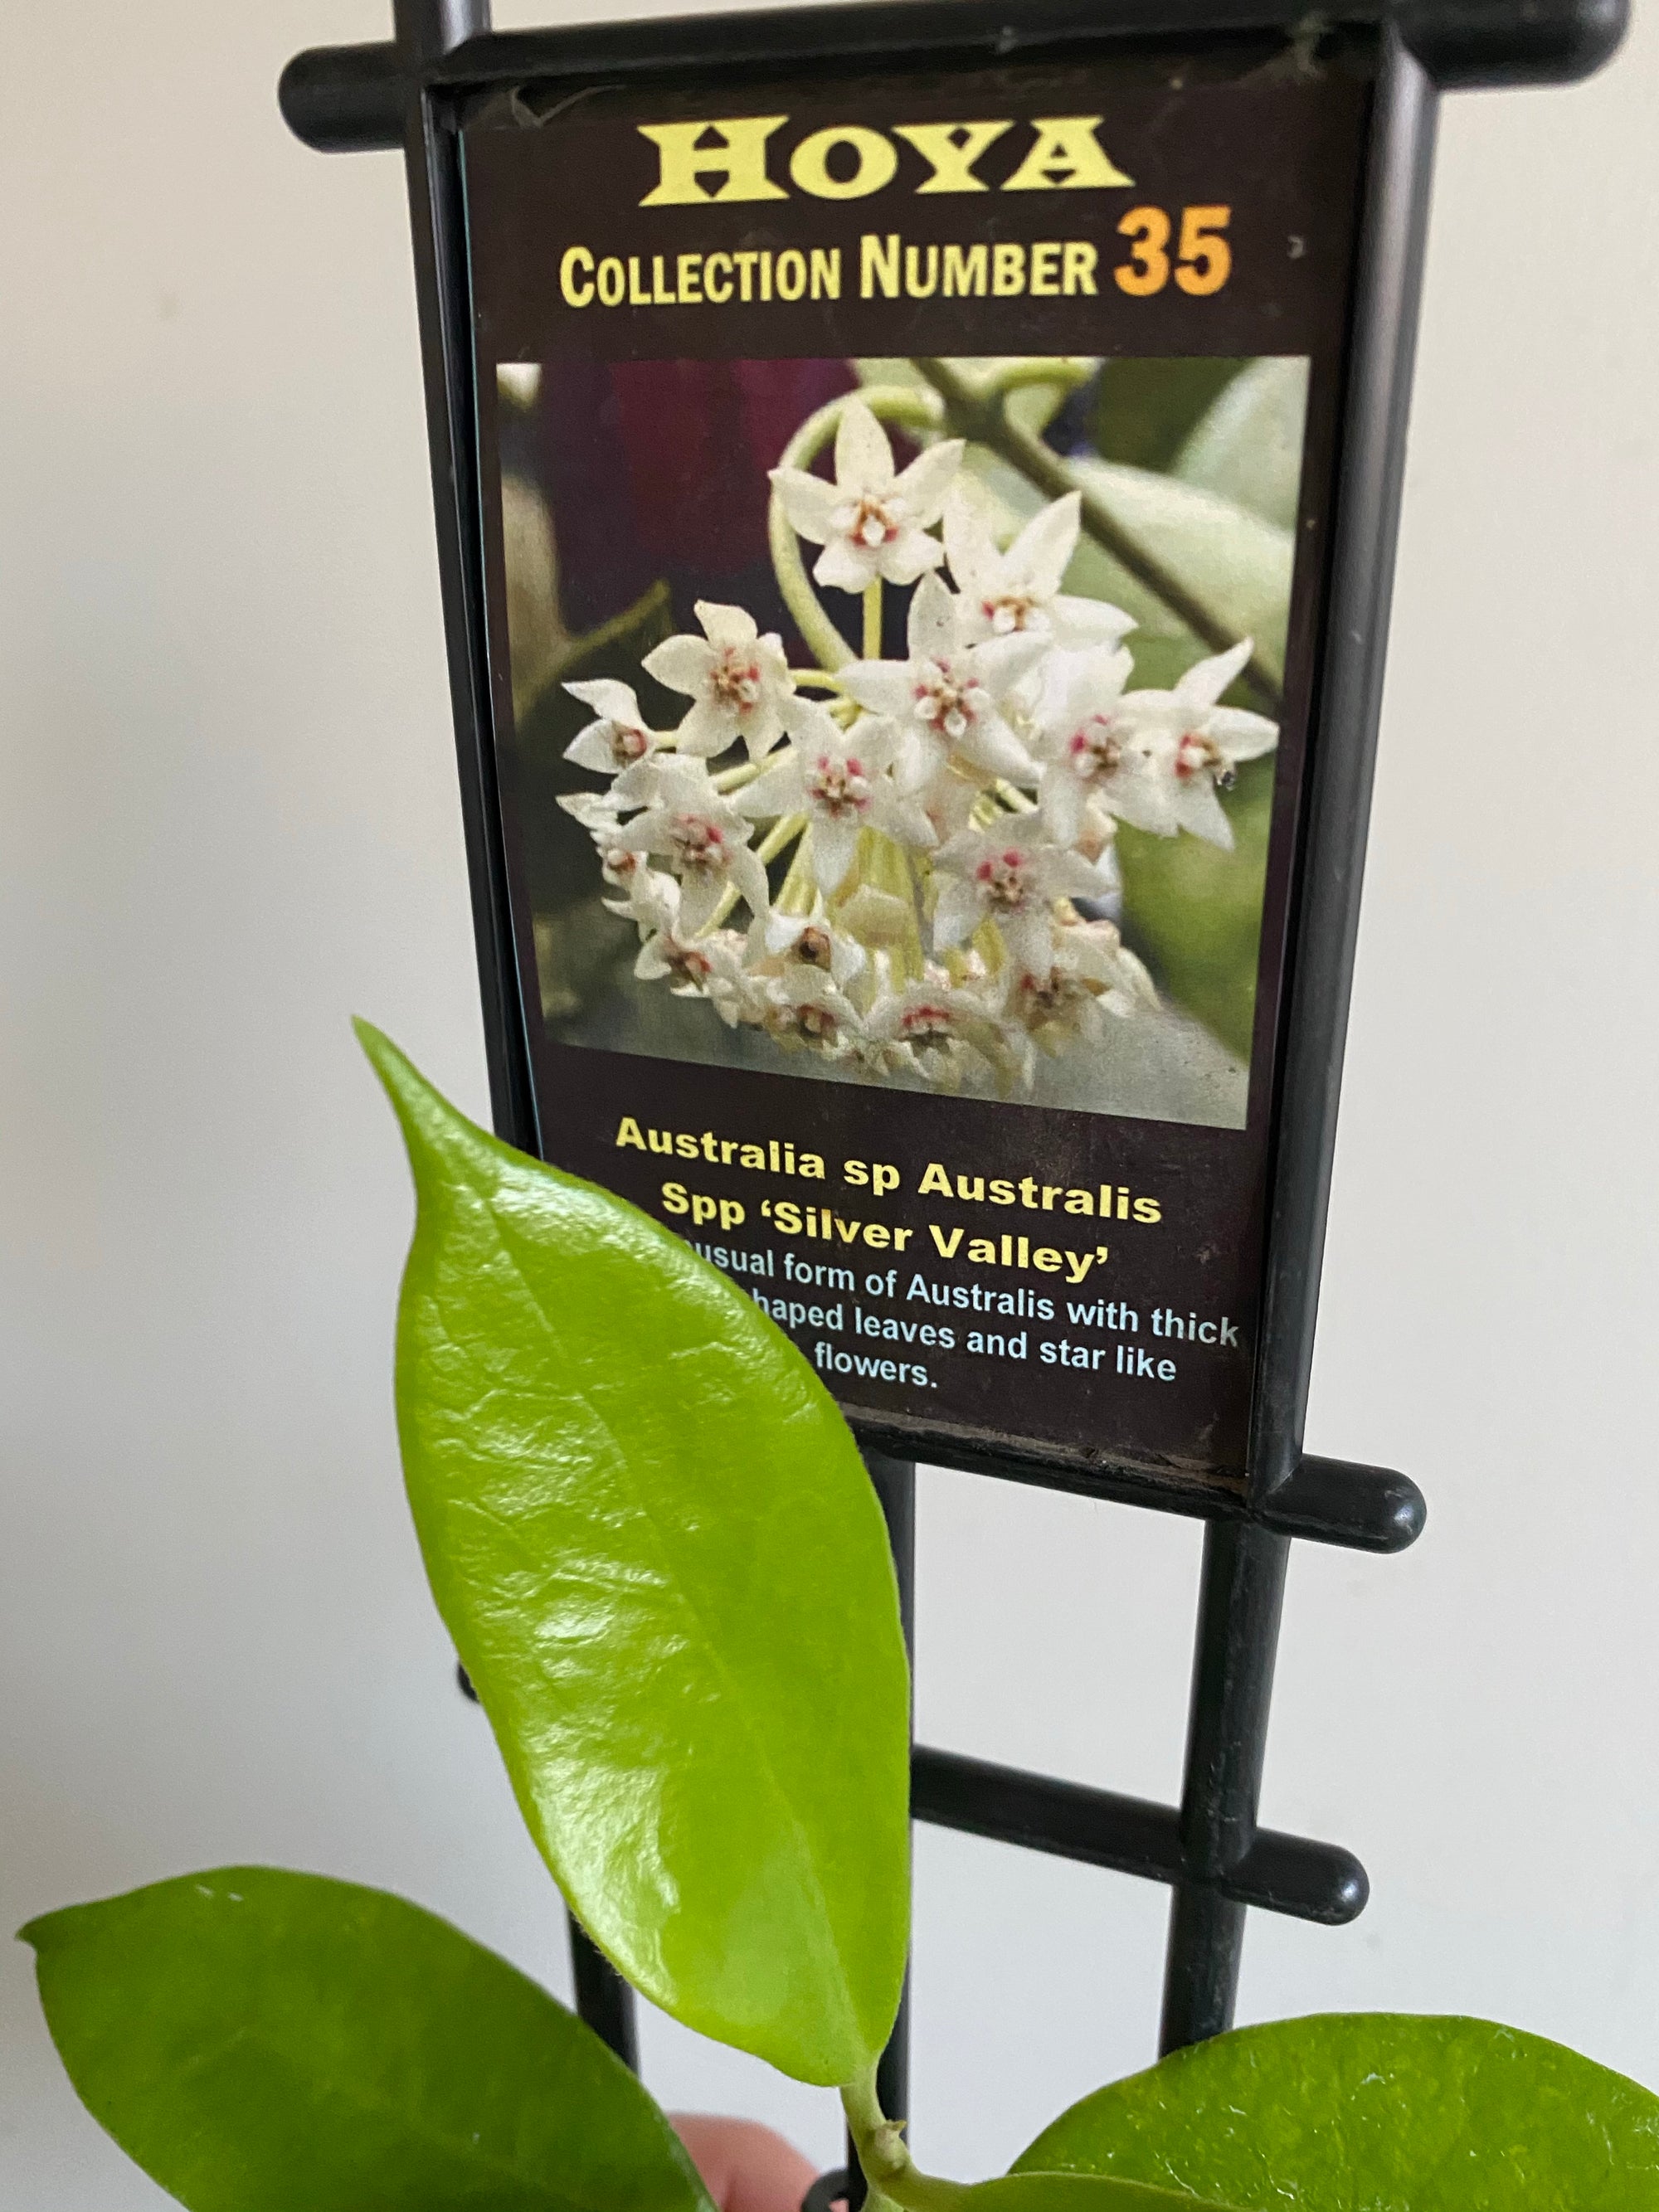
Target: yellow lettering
576,277
964,271
1007,269
739,156
913,268
1066,157
878,264
950,150
876,163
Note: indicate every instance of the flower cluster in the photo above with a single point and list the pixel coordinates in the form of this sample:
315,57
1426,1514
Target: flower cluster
949,818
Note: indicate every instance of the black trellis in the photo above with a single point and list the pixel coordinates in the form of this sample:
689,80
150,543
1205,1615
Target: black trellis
1210,1849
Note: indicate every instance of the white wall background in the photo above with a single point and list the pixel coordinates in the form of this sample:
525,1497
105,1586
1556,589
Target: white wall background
227,821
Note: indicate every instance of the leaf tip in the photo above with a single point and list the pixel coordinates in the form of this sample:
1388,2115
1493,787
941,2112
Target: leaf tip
430,1125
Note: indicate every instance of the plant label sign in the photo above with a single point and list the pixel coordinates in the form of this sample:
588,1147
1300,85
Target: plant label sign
906,514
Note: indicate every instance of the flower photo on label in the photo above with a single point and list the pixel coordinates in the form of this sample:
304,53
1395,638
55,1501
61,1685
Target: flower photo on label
913,785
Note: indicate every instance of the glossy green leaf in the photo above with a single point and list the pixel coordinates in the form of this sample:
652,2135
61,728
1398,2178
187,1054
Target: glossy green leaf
1249,445
1074,2192
1373,2112
267,2042
1194,911
652,1538
1146,408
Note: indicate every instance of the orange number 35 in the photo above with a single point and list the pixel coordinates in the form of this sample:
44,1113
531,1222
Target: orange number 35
1204,259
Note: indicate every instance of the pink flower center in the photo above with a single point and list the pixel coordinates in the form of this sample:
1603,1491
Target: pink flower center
928,1021
1002,880
686,962
735,681
948,700
1011,611
1042,998
1196,752
868,521
618,864
840,787
811,1023
628,744
813,946
697,843
1094,749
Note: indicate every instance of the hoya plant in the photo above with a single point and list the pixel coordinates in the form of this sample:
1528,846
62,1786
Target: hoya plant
631,1492
940,825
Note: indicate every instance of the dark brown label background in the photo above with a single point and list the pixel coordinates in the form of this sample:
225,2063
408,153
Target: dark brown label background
1286,158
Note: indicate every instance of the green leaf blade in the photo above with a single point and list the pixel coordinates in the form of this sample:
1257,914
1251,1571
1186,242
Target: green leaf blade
1078,2192
651,1536
1372,2113
258,2040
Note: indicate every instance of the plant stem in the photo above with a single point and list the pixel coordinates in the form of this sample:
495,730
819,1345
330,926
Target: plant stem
893,2175
872,621
979,416
1020,375
799,892
653,612
733,779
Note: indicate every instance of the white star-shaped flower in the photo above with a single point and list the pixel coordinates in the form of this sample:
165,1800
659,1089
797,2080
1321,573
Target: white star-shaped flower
623,868
842,781
872,522
926,1026
1194,745
805,1006
1092,750
1004,593
1088,977
704,839
1011,876
738,681
782,941
950,698
696,966
618,737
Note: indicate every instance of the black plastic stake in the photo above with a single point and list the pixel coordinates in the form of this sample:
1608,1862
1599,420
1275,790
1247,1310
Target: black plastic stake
895,1481
602,1998
427,29
1239,1603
